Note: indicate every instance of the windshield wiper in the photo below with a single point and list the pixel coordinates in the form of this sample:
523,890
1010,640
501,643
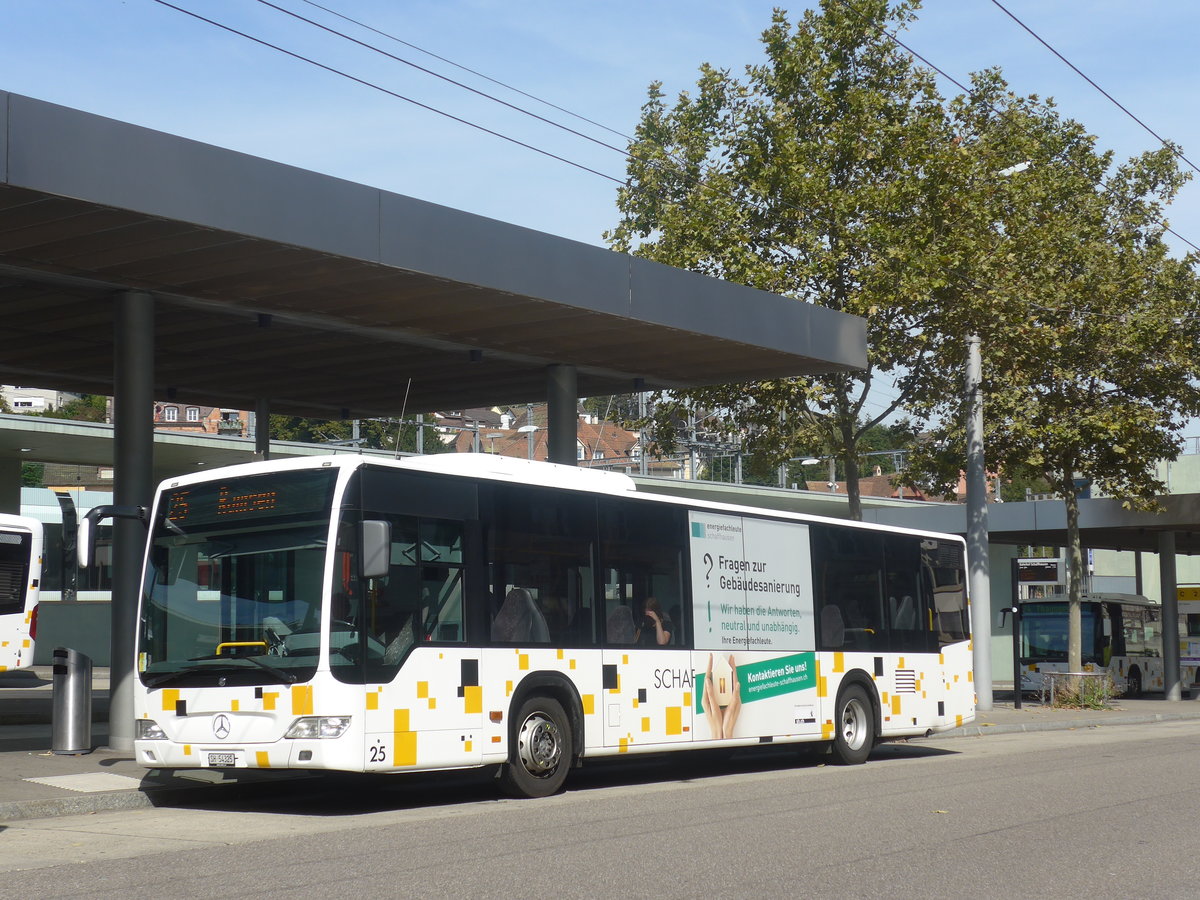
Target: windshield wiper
278,673
285,677
163,678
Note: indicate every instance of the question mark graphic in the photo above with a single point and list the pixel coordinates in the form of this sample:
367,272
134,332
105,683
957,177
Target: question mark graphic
708,559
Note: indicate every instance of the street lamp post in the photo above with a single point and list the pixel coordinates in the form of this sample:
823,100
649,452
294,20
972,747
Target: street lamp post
978,581
979,574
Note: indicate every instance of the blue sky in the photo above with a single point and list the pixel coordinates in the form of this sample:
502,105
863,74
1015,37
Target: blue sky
140,62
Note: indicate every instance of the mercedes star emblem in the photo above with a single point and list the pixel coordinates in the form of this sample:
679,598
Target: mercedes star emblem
221,726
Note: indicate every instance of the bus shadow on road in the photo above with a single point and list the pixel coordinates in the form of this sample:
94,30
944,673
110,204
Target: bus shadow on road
338,794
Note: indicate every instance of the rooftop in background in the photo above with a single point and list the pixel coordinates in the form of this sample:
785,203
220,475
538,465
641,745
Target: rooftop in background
333,299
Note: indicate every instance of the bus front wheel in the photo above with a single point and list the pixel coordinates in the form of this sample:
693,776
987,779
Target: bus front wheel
854,727
540,750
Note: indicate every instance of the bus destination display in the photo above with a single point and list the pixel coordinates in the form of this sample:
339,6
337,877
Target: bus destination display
282,495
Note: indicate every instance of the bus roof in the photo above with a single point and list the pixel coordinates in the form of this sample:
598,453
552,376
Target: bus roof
10,522
528,471
493,467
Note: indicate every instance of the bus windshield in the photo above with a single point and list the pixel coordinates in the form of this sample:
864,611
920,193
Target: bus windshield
1044,632
233,588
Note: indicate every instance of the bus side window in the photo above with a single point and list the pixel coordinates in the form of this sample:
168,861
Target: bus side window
908,596
419,600
14,572
947,578
849,576
540,549
641,556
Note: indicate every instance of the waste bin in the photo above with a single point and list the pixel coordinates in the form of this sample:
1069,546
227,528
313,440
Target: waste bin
71,721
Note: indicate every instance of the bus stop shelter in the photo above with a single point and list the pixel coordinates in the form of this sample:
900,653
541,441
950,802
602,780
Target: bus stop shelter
146,266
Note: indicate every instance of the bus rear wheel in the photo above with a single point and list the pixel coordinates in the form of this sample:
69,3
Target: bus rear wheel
540,750
1133,683
854,727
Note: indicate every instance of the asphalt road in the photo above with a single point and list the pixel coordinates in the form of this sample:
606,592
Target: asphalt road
1093,813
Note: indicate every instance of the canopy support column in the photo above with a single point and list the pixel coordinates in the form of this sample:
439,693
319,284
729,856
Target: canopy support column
1170,614
562,418
10,485
133,452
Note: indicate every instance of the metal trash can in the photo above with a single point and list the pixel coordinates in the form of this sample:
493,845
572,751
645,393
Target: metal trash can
71,722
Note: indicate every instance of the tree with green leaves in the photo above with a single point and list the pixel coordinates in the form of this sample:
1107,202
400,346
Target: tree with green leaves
373,434
830,173
85,408
1090,368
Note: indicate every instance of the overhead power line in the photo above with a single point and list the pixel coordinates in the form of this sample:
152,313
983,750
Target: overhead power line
391,93
467,69
1168,144
899,43
702,182
427,71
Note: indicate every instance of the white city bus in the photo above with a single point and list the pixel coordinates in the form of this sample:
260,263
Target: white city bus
1121,634
461,611
20,576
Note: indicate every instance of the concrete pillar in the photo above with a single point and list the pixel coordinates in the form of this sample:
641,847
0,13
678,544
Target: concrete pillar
133,451
1170,612
10,485
562,418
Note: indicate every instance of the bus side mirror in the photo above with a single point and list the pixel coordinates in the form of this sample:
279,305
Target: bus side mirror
1002,619
376,544
85,534
85,542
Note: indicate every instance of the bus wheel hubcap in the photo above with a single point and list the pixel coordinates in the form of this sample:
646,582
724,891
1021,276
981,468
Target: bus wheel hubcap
852,724
538,744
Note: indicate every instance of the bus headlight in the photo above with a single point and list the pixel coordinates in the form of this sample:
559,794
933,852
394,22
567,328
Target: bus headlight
318,727
148,730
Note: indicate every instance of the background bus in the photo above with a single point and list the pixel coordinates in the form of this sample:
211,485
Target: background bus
1189,633
20,577
468,610
1121,634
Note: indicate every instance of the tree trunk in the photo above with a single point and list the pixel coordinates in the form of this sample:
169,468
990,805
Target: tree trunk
1074,581
849,448
854,496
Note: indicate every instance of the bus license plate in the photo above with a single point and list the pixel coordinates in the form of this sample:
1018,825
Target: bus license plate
226,760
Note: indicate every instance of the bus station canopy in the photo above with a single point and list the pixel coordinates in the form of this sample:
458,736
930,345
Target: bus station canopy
333,299
1104,522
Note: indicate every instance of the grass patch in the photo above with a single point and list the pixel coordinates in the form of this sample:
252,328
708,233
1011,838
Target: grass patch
1085,692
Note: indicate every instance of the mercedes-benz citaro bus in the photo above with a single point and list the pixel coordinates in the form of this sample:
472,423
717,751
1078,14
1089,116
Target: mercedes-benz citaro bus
20,577
1120,634
468,610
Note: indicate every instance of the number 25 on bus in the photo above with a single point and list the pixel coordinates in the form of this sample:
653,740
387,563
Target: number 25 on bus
467,610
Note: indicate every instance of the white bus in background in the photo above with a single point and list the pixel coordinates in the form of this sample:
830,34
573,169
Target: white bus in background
1188,597
1121,634
20,577
471,610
